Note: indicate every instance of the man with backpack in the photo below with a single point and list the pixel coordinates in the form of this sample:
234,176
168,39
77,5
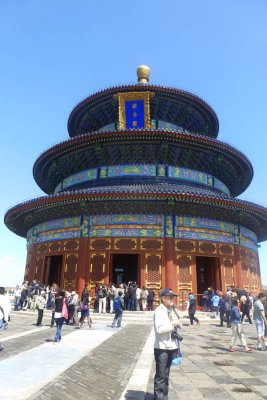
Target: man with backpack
102,299
118,308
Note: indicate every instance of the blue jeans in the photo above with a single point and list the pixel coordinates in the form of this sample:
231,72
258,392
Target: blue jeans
117,319
132,305
59,323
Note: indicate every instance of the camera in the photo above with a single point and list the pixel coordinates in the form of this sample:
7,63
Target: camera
176,335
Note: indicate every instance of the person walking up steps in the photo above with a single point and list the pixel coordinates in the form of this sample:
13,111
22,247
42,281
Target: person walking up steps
192,309
118,308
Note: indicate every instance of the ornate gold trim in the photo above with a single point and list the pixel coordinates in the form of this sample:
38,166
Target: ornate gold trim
122,97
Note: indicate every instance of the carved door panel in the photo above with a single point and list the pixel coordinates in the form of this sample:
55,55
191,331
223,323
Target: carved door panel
98,268
71,263
153,267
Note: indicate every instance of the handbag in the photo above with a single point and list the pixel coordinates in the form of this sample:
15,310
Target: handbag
84,306
65,310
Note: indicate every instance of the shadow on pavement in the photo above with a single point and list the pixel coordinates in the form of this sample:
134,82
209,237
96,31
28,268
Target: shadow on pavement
138,395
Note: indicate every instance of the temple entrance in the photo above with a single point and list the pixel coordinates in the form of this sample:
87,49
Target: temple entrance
124,268
53,270
208,274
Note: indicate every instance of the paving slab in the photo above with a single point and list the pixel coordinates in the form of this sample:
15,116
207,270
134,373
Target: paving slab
117,364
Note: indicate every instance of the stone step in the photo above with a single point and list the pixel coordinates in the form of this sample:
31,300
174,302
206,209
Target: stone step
140,317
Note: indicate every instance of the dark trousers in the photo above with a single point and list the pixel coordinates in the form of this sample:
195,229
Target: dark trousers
150,305
221,317
193,318
246,314
227,314
40,316
52,319
163,359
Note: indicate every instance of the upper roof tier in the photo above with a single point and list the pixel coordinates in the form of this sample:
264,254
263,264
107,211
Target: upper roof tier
177,107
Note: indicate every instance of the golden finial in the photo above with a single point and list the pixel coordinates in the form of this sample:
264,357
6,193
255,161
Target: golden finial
143,73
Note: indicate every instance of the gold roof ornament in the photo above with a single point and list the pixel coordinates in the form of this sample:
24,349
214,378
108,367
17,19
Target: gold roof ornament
143,72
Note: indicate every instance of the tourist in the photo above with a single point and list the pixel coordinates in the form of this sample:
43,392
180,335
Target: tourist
5,308
265,312
222,309
138,298
192,309
53,292
17,297
245,308
228,307
215,304
260,320
111,297
73,308
144,296
35,292
150,299
205,298
237,328
210,295
59,318
40,304
127,296
85,311
133,299
165,346
118,308
102,299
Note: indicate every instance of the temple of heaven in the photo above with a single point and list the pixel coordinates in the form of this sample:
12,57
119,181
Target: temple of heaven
142,191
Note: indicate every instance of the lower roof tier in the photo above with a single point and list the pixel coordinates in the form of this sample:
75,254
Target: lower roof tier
169,148
164,199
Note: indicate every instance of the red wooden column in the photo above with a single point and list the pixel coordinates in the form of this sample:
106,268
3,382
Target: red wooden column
170,265
83,264
194,275
32,262
237,268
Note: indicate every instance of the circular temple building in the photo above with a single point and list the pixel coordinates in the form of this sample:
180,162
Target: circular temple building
142,191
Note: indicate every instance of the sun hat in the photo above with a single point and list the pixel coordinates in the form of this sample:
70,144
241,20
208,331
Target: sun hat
167,292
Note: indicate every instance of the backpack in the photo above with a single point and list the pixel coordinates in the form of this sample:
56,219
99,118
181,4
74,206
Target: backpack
117,304
227,305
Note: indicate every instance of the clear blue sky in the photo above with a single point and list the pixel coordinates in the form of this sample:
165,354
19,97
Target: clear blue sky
55,53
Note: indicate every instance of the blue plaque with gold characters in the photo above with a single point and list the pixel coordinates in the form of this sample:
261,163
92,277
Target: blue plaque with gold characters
134,109
134,114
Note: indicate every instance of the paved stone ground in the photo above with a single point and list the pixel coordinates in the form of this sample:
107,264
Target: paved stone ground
104,371
210,371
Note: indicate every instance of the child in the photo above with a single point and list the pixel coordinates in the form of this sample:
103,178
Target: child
118,308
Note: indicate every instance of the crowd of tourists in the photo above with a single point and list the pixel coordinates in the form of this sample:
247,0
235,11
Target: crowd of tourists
234,307
35,295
